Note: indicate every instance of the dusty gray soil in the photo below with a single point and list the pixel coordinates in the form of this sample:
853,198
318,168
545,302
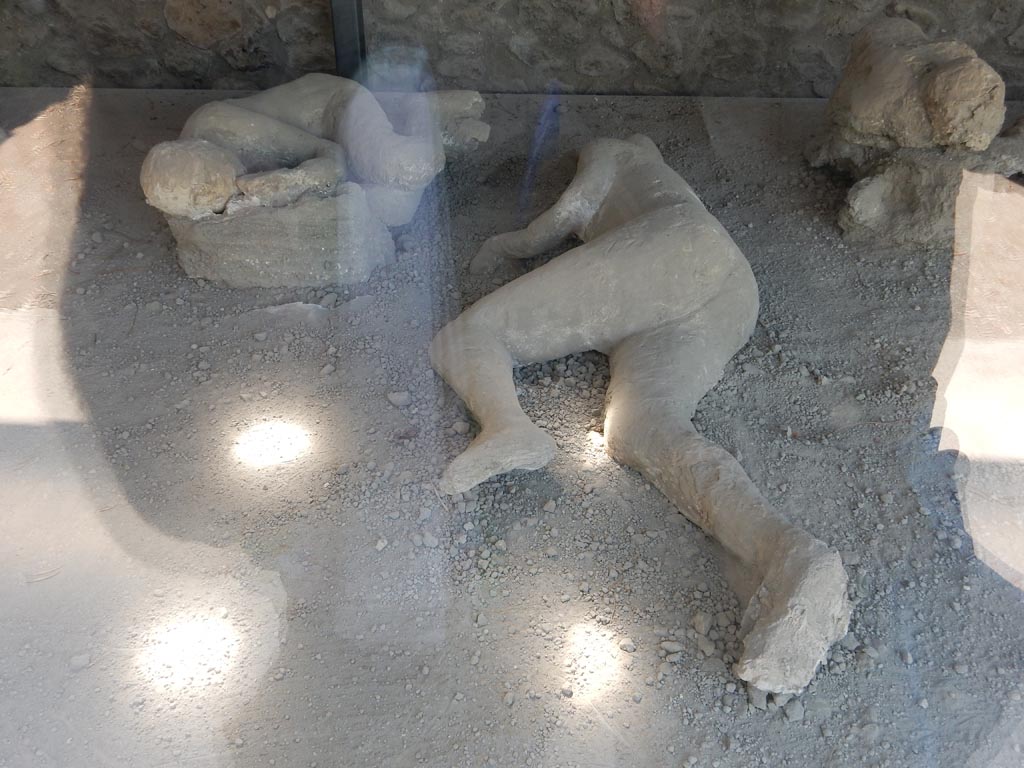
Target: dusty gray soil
169,604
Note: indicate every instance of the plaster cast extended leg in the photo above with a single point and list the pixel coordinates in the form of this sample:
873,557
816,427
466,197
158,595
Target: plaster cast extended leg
478,366
658,377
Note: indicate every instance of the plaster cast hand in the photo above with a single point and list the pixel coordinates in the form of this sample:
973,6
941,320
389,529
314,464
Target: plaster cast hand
492,253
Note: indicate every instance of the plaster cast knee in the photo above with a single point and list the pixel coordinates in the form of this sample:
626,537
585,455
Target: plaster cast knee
376,153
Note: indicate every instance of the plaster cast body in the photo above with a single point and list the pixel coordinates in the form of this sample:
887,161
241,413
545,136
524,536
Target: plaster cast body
249,169
907,118
660,287
910,196
899,89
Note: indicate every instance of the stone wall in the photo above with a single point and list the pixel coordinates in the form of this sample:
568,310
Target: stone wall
713,47
163,43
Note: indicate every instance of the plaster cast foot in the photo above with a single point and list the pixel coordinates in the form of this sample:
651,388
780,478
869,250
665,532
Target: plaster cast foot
494,453
799,610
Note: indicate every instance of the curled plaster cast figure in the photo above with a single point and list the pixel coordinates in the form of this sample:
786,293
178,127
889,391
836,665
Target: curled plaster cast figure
660,287
296,185
900,89
910,196
908,117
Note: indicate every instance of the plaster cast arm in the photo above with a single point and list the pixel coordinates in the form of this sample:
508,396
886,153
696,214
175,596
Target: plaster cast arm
567,217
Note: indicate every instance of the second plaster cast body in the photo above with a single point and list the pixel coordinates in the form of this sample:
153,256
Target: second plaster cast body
660,287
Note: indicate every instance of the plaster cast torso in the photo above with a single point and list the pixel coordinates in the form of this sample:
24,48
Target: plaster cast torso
636,182
304,104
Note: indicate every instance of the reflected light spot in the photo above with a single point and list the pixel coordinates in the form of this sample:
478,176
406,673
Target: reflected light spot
275,442
194,652
980,398
595,453
594,660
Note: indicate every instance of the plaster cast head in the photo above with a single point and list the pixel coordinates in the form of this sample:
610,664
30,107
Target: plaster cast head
190,177
901,90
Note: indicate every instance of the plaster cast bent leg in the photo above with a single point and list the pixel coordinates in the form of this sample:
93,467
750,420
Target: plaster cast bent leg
529,320
475,361
658,377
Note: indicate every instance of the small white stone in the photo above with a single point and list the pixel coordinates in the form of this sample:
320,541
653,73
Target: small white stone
701,622
794,711
399,399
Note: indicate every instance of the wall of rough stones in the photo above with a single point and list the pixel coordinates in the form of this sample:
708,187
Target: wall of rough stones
711,47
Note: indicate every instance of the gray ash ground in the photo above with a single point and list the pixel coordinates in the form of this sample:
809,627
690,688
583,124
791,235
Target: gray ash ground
569,616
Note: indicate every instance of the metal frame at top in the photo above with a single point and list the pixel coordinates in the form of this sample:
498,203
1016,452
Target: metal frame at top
349,40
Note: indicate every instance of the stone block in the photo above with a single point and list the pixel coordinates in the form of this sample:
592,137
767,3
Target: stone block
312,242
